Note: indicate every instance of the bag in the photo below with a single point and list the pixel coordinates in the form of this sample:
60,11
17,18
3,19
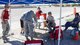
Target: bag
33,42
76,37
54,35
73,32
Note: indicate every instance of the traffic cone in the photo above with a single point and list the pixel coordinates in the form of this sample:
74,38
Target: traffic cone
76,37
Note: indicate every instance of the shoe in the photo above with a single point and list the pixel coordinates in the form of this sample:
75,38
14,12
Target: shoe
64,30
32,39
6,41
22,33
28,39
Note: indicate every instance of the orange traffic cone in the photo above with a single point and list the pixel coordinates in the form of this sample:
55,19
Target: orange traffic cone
76,37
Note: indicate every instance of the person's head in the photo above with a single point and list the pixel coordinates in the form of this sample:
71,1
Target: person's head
6,6
39,8
49,13
77,15
31,12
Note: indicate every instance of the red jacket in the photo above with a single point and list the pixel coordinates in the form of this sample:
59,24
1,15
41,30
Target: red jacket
38,13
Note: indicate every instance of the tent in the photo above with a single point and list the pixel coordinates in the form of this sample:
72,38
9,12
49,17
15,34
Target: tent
41,2
37,1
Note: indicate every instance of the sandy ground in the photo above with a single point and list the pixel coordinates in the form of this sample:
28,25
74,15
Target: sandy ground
17,13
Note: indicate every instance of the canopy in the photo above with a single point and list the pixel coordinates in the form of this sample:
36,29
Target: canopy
37,1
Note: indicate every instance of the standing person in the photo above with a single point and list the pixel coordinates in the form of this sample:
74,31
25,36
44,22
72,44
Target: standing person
38,13
51,22
5,24
74,23
28,24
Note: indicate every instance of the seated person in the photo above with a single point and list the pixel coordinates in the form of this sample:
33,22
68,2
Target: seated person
51,22
74,23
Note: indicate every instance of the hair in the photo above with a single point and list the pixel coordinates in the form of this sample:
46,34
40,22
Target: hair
6,6
49,13
39,8
31,12
77,14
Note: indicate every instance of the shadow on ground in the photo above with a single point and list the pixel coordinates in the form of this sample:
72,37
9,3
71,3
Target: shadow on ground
16,43
66,40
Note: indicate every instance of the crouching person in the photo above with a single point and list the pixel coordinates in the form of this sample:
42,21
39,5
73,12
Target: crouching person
51,22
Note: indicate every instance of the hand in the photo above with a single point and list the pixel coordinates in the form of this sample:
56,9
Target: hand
72,22
4,21
34,24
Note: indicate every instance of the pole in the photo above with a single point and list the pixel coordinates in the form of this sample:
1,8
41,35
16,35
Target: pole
60,22
10,13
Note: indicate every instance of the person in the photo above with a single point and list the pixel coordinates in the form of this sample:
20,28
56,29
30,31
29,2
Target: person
5,24
22,24
74,23
28,24
51,22
38,13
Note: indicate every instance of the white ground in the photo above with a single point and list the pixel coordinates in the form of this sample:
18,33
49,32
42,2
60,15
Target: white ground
17,13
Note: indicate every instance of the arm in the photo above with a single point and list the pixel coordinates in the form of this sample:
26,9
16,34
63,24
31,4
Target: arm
23,17
53,19
2,15
34,16
47,20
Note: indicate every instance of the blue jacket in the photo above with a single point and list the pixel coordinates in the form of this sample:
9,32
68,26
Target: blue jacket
76,19
29,16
